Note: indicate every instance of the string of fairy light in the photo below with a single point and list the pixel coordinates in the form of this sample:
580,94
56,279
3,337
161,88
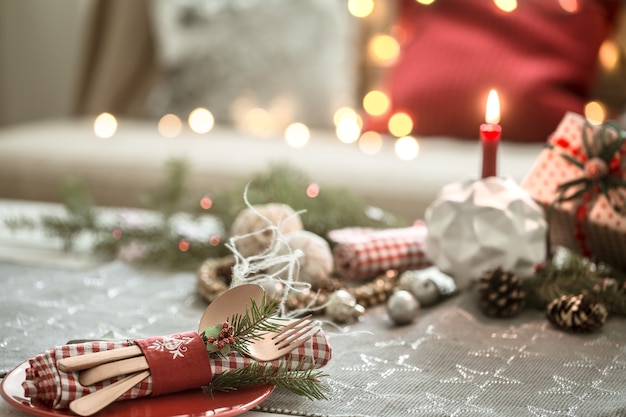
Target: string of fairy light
382,50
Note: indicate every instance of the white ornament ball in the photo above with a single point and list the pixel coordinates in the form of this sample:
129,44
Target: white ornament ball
315,266
477,226
402,307
343,308
257,222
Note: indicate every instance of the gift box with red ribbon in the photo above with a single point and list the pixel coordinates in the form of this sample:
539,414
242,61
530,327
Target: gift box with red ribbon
580,180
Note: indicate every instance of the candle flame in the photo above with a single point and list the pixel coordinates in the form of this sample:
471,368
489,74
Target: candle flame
492,113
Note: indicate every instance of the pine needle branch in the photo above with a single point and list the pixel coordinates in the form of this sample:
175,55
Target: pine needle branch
301,380
577,275
254,322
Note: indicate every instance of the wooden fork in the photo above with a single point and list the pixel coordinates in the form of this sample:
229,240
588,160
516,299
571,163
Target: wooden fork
273,345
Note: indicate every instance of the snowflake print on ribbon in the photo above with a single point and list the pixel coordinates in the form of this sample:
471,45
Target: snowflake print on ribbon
176,346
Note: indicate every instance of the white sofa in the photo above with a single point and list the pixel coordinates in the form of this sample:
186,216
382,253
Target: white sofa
35,157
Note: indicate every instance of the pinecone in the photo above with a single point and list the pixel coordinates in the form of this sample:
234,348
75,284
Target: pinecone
579,313
501,293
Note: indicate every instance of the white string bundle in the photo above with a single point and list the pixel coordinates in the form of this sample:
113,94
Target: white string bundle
254,268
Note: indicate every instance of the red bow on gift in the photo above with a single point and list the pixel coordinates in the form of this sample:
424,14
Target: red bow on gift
599,160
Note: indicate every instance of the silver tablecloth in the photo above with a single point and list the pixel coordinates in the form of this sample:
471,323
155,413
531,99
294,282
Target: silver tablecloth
451,362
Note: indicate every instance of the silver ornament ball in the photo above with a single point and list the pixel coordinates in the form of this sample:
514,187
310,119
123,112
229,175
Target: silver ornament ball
343,308
402,307
424,289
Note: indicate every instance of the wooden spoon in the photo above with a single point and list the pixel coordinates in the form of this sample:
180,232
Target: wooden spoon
233,302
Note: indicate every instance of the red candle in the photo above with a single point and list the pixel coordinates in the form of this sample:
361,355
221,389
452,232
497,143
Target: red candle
490,133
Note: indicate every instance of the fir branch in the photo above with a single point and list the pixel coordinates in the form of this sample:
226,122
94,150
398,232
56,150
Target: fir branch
576,275
257,319
301,380
333,208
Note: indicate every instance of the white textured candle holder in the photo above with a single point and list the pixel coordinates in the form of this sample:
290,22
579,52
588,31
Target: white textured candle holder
476,226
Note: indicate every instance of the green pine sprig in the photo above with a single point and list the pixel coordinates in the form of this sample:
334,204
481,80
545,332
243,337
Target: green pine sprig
247,327
334,208
574,275
254,322
301,380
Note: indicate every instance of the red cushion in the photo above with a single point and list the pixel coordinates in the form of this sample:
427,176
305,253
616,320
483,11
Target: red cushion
540,58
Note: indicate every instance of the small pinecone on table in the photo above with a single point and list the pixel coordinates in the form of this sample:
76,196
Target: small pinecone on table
501,293
579,313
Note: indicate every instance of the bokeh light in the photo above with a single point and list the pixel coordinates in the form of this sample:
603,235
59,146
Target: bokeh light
348,130
383,49
370,143
105,125
400,124
360,8
313,190
259,122
376,103
170,126
183,245
570,6
406,148
425,2
348,125
608,55
506,5
595,112
201,120
297,135
346,113
206,202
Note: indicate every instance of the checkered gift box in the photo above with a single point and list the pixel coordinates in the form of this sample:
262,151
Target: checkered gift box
363,253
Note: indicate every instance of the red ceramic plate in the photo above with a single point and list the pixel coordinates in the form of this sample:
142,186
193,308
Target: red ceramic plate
192,403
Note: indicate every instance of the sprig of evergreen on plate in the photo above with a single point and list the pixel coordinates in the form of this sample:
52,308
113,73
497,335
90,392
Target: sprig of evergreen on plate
301,380
244,329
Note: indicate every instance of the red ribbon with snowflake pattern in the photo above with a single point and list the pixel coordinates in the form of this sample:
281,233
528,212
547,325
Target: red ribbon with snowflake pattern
177,362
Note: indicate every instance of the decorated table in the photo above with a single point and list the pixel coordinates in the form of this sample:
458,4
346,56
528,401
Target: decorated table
469,311
451,360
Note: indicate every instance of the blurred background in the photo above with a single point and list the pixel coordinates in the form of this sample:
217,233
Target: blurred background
270,62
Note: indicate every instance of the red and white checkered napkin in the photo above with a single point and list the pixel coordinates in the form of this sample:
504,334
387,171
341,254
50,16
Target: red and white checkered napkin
363,253
55,388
